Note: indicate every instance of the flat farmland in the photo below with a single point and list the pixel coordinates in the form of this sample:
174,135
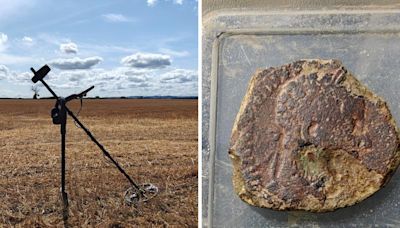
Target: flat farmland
154,140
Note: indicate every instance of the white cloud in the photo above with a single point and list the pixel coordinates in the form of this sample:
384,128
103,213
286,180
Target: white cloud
121,81
179,76
151,2
179,2
99,75
106,80
174,53
3,41
17,77
12,76
134,71
123,75
154,2
23,78
4,71
111,17
147,60
75,63
12,59
27,39
69,48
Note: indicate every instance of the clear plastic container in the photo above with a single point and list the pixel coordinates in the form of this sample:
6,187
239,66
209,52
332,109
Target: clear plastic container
236,44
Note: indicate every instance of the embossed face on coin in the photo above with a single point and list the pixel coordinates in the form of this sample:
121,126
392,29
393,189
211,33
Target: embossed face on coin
309,136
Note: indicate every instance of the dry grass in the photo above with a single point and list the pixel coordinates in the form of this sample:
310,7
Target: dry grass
154,140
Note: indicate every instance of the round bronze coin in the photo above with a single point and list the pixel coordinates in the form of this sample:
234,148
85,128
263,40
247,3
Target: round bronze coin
309,136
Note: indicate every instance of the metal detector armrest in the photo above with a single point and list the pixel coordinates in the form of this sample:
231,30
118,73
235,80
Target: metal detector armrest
79,95
40,74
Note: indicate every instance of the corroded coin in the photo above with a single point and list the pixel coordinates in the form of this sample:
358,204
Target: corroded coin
309,136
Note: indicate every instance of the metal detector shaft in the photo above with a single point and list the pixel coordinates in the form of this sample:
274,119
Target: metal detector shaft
103,149
49,89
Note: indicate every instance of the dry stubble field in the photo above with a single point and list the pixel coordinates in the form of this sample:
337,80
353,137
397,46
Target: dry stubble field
154,140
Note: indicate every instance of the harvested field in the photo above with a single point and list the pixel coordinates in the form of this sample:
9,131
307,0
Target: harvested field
154,141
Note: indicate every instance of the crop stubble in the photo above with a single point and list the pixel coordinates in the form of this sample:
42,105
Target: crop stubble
154,140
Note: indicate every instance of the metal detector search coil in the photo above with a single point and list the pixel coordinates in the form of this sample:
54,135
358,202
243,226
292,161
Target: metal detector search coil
136,193
132,196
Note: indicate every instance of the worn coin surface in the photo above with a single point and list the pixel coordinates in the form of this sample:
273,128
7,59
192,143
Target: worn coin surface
309,136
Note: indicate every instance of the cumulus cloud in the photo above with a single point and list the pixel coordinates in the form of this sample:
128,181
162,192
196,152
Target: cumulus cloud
3,41
139,85
72,76
113,80
4,71
24,77
69,48
131,80
68,85
179,2
122,74
122,85
147,60
151,2
134,71
75,63
27,39
111,17
136,79
179,76
12,76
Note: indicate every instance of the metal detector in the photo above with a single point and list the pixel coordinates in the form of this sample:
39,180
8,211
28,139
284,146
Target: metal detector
136,193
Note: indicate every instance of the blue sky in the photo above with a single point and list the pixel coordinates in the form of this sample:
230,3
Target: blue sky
122,47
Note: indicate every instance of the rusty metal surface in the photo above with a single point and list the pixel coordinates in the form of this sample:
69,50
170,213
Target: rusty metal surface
236,44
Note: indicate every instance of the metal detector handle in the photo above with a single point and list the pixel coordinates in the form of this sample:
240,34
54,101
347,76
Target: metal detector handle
79,95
